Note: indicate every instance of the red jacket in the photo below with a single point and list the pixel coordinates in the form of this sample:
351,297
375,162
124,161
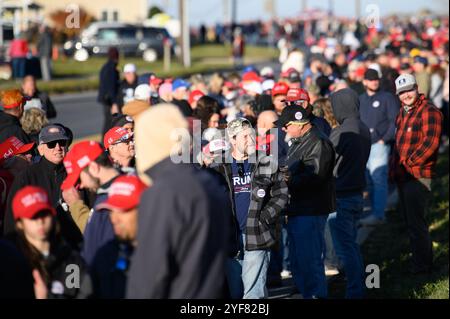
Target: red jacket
18,48
417,138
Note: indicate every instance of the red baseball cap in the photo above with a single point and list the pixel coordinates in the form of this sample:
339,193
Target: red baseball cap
251,77
195,95
124,193
114,135
79,157
229,85
29,201
286,73
13,146
17,104
280,88
155,80
297,94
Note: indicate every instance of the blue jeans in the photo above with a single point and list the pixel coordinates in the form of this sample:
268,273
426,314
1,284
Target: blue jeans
306,246
18,67
377,178
343,227
279,257
247,274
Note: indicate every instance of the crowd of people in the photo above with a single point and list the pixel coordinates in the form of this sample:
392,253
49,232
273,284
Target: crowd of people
219,186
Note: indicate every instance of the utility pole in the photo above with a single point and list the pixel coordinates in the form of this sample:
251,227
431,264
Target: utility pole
233,14
226,11
304,5
1,23
185,34
358,9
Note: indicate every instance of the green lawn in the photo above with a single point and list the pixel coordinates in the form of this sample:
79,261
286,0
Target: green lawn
73,76
388,247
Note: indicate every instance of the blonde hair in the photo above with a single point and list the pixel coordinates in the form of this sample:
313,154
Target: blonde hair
33,120
325,105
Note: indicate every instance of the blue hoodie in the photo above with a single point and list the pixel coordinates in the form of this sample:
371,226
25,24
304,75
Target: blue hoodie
99,229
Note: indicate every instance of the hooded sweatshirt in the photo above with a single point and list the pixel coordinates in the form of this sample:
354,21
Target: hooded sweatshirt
352,142
182,217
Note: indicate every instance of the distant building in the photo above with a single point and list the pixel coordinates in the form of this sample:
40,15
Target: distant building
21,13
129,11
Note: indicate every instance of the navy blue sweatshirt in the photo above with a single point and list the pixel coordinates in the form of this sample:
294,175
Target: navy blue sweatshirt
379,112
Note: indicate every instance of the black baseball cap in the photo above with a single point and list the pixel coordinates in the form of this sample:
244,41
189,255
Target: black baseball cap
120,119
293,113
371,75
52,133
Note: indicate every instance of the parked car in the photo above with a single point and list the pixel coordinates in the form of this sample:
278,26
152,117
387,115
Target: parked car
130,40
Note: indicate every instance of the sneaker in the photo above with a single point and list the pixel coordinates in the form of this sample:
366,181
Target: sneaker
371,221
331,271
285,274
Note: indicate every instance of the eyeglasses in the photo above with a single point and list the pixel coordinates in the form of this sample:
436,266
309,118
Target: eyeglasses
297,103
61,143
126,141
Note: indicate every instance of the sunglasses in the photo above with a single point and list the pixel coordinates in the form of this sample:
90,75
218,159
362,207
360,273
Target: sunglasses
61,143
126,141
297,103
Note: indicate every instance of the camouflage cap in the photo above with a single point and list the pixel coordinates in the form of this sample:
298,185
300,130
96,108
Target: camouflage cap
237,125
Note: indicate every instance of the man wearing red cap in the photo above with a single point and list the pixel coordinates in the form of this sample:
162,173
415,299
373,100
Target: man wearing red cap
89,166
120,145
279,93
110,266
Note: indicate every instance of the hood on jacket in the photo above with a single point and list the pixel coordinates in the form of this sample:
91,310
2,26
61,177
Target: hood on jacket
134,108
345,104
156,136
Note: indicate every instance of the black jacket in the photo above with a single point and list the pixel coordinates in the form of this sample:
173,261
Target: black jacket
311,186
182,236
10,126
64,265
352,142
50,177
109,270
126,90
109,83
184,107
47,104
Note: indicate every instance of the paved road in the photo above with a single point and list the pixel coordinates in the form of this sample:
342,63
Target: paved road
80,112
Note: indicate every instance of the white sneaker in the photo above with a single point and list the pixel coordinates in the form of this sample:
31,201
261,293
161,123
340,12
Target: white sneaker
331,271
371,220
285,274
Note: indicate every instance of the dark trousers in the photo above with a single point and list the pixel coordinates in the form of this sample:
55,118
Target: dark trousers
107,118
414,198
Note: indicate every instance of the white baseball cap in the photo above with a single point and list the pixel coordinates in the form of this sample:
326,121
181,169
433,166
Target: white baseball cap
129,68
405,82
253,87
142,92
268,85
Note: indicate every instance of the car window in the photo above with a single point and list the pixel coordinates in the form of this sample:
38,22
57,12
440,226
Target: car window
127,33
108,34
150,33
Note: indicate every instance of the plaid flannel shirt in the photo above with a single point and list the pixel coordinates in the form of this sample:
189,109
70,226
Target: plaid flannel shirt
269,196
417,138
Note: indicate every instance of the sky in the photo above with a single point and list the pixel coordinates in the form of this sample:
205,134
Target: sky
212,11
